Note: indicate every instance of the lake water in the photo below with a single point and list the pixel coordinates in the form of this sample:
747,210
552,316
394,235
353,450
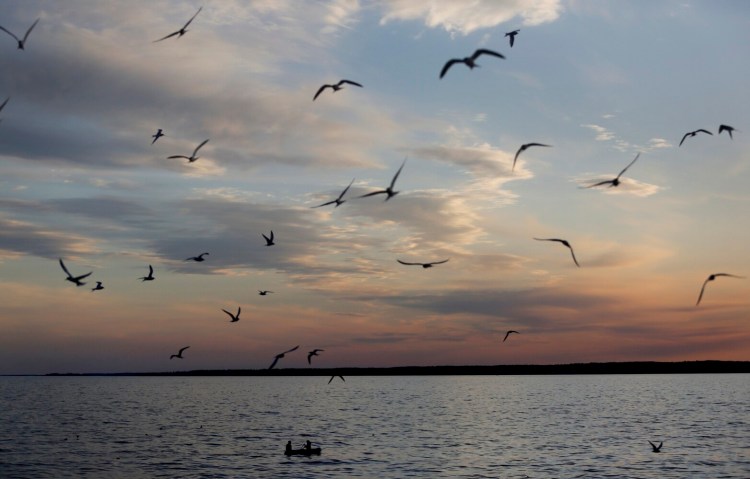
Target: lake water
384,427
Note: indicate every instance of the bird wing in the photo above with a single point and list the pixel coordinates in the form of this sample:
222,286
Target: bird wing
182,349
523,147
600,183
4,103
192,18
65,269
409,264
652,444
293,349
350,82
683,139
573,255
346,189
325,204
29,30
271,235
199,147
629,165
440,262
379,192
486,52
728,275
704,131
449,64
395,177
178,156
83,276
230,314
150,270
268,240
168,36
703,288
329,381
10,33
275,360
310,355
320,90
535,144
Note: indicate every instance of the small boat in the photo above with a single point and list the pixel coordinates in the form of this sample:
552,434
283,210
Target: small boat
302,452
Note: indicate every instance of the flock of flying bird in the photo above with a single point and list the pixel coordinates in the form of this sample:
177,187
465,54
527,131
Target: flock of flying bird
389,191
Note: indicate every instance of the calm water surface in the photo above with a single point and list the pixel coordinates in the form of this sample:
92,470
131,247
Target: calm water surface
385,427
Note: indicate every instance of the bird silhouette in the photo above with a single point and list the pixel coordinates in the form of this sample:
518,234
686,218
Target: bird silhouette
342,378
565,243
693,133
264,292
335,87
654,447
280,356
182,30
389,192
98,286
269,239
728,129
338,201
469,61
150,276
312,353
711,278
615,181
157,135
424,265
200,258
21,43
512,36
192,157
179,354
235,317
74,279
509,333
523,147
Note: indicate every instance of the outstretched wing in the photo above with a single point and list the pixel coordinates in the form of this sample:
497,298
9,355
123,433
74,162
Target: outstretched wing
195,151
484,51
320,90
346,189
683,138
29,30
230,314
703,288
705,131
293,349
275,360
599,184
10,33
448,65
629,165
409,264
65,269
350,82
178,156
440,262
325,204
5,102
168,36
182,349
192,18
379,192
395,177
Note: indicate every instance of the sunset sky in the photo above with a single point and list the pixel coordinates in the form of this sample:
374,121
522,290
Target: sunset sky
600,81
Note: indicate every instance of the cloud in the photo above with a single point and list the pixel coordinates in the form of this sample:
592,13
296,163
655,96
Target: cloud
19,238
464,18
602,134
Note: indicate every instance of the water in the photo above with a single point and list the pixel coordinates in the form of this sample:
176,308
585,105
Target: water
385,427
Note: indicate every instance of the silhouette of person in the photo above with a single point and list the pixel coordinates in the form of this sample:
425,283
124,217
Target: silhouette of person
308,445
288,447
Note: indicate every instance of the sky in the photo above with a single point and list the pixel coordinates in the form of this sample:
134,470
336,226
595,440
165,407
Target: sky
599,81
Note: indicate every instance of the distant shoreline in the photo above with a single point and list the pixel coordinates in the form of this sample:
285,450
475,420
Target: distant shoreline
632,367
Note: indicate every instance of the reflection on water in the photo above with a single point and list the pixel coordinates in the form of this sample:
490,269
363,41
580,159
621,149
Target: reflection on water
405,426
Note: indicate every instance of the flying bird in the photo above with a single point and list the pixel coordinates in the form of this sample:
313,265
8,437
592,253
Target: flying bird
179,354
182,30
21,43
235,317
280,356
388,191
726,128
150,276
192,157
342,378
693,133
264,292
424,265
98,286
469,61
523,147
312,353
711,278
512,36
157,135
198,258
509,333
654,447
565,243
269,239
615,181
338,86
74,279
338,201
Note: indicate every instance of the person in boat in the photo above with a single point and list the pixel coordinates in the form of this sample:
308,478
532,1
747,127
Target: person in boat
308,445
288,449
